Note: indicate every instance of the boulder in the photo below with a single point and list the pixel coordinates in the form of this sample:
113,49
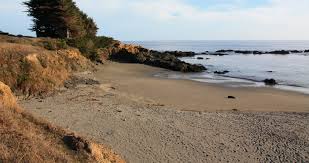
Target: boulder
270,82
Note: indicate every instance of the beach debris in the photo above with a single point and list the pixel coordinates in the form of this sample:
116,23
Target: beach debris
221,72
235,110
270,71
200,58
231,97
270,82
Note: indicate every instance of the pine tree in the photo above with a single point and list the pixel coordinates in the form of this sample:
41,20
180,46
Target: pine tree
59,19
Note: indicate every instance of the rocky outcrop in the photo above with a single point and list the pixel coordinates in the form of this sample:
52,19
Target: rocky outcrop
136,54
224,51
279,52
243,51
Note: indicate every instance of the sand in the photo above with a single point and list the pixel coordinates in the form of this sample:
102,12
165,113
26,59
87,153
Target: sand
149,119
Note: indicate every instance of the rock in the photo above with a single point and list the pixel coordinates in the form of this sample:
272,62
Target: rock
279,52
224,51
257,52
270,71
207,58
243,51
167,59
296,51
218,54
231,97
306,51
200,58
221,72
270,82
181,54
75,143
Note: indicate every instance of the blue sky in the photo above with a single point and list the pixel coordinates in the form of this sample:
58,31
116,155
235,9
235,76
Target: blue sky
183,19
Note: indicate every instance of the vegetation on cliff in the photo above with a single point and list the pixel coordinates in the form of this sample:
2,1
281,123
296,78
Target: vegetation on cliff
25,138
29,68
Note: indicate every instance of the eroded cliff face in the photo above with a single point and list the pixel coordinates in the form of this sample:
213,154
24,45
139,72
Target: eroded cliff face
136,54
29,139
34,70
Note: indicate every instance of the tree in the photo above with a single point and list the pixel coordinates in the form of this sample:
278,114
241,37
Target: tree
59,19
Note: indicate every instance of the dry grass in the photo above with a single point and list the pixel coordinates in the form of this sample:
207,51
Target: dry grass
34,70
24,138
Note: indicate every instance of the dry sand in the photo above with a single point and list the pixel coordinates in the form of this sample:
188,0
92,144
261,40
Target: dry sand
147,119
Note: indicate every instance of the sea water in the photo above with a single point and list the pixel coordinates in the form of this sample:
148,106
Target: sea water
290,71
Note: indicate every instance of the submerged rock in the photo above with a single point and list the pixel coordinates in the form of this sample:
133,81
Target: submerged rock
221,72
270,82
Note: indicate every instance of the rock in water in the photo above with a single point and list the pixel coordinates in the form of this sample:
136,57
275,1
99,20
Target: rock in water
270,82
279,52
221,72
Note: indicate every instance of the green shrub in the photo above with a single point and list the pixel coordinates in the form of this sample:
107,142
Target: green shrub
55,44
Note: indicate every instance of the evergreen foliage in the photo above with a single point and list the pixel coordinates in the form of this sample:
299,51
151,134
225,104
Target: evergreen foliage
60,19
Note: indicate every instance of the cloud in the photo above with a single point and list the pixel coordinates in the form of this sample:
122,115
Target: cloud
189,19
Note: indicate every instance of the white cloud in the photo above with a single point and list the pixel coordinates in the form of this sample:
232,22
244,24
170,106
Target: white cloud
179,19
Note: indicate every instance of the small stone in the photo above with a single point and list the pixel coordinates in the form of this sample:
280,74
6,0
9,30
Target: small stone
231,97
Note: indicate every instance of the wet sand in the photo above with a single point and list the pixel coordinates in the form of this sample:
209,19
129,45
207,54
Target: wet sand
138,80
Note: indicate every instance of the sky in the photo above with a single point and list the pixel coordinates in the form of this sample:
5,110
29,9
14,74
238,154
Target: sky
135,20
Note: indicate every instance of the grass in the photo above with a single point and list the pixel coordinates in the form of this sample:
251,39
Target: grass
24,138
33,70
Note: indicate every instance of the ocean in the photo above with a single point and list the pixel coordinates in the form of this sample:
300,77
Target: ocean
290,71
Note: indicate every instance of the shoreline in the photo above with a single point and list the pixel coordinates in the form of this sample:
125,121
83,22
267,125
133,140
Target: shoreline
139,80
235,82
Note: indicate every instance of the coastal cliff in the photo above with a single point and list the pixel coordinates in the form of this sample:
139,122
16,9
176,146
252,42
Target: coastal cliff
136,54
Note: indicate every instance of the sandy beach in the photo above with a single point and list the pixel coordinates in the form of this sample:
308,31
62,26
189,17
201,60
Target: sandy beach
150,119
138,81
